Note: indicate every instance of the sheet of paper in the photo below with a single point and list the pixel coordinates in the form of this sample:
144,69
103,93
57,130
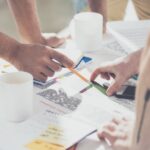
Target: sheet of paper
136,31
96,108
93,143
112,46
74,84
45,128
58,99
63,96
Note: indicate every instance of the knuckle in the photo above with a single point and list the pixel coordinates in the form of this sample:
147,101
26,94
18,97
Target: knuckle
57,68
114,136
98,70
43,79
105,126
116,85
54,52
43,60
62,58
52,74
50,52
38,69
54,66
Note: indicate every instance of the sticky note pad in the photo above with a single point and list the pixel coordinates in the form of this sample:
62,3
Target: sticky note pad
42,145
54,134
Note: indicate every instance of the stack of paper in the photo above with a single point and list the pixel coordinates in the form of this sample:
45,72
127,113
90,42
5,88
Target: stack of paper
135,32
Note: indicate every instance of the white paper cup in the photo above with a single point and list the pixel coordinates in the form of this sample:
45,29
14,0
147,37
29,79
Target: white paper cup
16,96
87,31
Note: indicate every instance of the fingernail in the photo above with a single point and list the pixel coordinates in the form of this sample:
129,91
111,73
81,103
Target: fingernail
109,93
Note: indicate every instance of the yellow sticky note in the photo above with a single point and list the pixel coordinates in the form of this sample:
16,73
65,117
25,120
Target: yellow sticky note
42,145
55,134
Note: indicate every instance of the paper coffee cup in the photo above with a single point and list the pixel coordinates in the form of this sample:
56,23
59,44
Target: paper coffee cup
16,96
87,31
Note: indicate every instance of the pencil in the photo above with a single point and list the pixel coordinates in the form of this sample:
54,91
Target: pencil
94,84
79,75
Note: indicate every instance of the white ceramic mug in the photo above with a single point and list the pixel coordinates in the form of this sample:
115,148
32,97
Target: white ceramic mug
87,31
16,96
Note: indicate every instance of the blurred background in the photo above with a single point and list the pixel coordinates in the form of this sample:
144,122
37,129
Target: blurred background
54,15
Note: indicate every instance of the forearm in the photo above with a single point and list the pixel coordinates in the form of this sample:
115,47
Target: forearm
99,6
26,17
134,60
8,47
141,132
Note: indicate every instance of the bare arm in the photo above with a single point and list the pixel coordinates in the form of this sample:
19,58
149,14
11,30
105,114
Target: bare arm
25,57
99,6
27,21
25,13
141,131
8,47
120,70
120,132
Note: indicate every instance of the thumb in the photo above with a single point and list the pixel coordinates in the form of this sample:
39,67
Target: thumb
55,41
61,58
114,87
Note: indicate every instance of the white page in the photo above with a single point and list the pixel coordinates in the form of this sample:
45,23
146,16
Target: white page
93,143
63,96
57,99
73,84
112,46
47,128
99,111
134,31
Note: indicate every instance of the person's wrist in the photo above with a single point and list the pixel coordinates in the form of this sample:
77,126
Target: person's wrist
135,61
12,52
132,63
36,39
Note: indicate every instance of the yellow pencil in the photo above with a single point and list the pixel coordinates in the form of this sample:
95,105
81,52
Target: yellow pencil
79,75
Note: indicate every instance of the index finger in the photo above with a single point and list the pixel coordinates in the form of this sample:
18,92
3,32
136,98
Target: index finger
61,58
100,70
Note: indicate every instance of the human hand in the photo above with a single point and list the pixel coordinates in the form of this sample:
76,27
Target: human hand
116,70
117,133
52,40
120,70
39,60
